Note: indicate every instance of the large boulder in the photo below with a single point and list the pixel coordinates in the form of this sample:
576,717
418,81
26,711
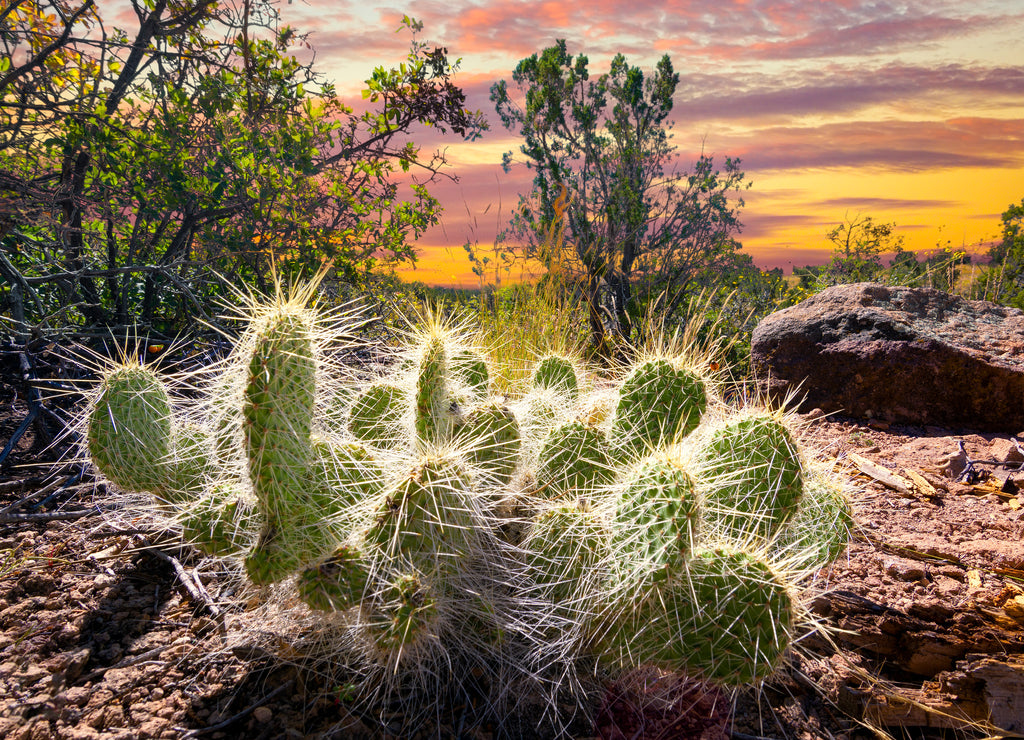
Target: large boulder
907,355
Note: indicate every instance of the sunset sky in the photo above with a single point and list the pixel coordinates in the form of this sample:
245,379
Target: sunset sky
910,111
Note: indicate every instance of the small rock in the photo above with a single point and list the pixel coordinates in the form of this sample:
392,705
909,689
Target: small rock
953,464
76,664
32,674
903,570
1005,451
262,714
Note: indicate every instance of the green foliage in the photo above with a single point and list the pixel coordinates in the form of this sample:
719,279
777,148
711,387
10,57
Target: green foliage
859,244
1004,283
608,219
147,174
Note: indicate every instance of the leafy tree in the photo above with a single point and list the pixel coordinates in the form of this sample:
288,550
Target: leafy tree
608,212
1005,281
858,245
138,165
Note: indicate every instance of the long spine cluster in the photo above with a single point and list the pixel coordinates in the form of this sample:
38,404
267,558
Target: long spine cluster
436,518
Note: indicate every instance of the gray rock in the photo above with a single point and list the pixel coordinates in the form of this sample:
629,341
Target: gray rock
904,355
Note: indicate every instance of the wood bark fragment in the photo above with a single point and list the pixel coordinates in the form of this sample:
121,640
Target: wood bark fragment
881,474
921,483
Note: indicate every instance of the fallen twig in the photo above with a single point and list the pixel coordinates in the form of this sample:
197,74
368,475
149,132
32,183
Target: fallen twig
190,582
127,662
244,713
881,474
46,516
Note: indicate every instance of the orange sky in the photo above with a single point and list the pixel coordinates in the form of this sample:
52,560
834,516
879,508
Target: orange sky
909,111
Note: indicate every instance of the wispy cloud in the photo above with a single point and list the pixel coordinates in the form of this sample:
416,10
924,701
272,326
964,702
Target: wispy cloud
922,98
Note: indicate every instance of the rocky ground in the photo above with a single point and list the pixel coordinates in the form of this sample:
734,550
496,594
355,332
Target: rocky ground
109,633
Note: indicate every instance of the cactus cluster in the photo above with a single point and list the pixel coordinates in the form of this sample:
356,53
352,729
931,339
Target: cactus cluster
431,520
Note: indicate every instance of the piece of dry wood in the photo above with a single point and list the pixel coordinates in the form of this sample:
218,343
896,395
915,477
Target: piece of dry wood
921,483
197,592
1004,689
46,516
923,708
881,474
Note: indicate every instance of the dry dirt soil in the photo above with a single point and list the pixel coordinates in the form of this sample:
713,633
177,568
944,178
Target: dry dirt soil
103,638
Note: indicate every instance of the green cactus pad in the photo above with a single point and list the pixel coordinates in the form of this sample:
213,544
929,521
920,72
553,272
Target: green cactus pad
574,461
221,522
278,416
342,475
557,373
408,614
491,436
377,414
658,404
427,518
336,582
753,474
129,429
565,549
471,368
433,414
822,527
271,559
193,460
729,621
658,517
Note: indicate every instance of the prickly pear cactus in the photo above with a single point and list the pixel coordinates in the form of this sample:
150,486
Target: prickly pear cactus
434,534
658,403
557,373
574,461
754,475
129,430
657,517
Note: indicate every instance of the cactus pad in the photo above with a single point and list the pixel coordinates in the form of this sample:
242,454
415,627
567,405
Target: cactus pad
407,615
729,620
822,527
336,582
427,518
574,461
565,550
557,373
433,417
491,435
376,416
753,472
658,517
472,370
220,522
129,429
658,403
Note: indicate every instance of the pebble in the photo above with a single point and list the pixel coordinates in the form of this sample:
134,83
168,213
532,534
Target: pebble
904,570
262,714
